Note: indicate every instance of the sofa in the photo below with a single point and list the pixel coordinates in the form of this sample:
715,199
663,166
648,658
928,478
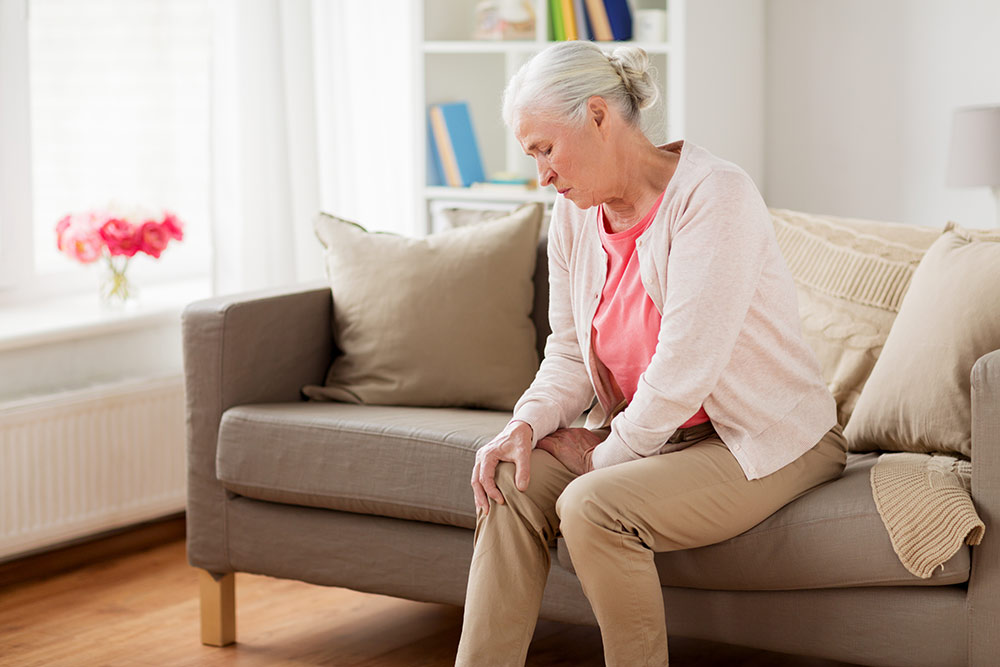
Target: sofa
376,498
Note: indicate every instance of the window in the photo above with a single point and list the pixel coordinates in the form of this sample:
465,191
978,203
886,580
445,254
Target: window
117,114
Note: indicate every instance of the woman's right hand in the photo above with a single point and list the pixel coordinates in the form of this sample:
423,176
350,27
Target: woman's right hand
512,444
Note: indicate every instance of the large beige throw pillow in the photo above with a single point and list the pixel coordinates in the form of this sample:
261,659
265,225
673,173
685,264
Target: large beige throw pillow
439,321
917,398
850,277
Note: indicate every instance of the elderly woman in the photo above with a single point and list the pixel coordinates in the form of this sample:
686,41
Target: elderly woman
671,304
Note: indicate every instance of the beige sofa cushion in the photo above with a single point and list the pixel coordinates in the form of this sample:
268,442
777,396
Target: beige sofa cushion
917,398
463,216
850,277
439,321
415,463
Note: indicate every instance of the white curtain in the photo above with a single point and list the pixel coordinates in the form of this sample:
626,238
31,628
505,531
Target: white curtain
312,110
365,61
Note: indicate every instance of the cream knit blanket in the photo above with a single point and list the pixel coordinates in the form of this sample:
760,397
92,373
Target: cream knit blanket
926,505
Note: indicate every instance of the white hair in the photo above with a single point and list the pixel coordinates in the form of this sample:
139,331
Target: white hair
558,81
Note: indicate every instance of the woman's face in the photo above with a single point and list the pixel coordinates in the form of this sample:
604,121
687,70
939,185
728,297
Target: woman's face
567,157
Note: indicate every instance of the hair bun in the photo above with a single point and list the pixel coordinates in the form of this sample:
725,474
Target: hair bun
636,72
559,80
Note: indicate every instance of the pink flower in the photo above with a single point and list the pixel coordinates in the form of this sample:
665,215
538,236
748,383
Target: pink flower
61,227
153,238
84,236
80,242
121,237
173,226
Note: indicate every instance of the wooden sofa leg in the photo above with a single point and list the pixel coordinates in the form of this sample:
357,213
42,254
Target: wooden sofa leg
218,609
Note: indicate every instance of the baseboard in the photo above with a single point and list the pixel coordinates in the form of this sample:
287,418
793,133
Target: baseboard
84,551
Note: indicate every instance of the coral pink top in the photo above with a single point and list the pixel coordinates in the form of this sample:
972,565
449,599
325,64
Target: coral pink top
627,324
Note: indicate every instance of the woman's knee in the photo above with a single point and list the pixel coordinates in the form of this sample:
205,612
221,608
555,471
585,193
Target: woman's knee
514,499
503,477
578,503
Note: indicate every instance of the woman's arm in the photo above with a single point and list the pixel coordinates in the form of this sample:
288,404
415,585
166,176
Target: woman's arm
561,390
717,256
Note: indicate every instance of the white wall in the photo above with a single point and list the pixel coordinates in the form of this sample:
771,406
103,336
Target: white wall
859,100
724,81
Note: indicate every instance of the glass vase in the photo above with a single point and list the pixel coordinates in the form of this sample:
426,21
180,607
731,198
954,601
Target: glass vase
116,290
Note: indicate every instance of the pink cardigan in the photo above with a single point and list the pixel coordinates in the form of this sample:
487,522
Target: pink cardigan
730,337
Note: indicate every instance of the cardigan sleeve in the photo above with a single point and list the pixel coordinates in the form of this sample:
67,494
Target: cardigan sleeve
716,256
561,390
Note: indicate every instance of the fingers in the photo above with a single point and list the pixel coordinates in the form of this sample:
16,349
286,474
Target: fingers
483,486
477,490
486,472
504,447
522,470
551,445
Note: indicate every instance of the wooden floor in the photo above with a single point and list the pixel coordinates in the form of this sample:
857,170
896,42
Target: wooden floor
142,609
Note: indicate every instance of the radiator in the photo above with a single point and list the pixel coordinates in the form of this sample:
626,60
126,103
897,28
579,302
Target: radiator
81,462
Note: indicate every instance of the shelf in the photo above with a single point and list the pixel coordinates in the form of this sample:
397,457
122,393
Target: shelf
525,46
433,192
450,65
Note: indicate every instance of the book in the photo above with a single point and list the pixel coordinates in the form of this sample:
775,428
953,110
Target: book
510,177
599,22
569,19
445,153
556,17
620,18
455,142
435,171
582,21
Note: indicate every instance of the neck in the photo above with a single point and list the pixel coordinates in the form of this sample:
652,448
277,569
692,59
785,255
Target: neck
643,174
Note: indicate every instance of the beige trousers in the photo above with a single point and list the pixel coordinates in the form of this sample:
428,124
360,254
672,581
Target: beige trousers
613,520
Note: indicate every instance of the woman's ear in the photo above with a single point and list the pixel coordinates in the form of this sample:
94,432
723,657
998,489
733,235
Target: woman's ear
597,110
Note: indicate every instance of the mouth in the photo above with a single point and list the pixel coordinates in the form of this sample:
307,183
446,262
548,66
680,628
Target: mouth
563,192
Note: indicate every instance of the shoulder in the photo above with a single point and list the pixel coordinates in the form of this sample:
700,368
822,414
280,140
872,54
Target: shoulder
717,194
707,176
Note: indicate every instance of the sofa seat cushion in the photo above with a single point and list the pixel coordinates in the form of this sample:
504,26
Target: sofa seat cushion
832,537
415,463
403,462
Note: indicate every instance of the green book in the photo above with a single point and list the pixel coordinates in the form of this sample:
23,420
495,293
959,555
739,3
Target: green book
556,21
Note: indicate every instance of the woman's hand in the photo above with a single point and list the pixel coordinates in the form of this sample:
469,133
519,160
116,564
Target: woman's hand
573,447
512,444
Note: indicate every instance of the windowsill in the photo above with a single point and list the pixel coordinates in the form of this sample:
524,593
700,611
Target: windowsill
82,315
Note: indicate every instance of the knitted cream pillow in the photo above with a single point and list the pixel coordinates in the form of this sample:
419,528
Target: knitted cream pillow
439,321
850,276
456,216
918,396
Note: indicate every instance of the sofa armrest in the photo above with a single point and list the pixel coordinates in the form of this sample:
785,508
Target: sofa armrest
984,579
251,347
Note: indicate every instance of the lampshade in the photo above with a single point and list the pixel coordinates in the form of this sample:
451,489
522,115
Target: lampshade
975,147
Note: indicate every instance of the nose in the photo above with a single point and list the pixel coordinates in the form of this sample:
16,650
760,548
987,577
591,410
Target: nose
545,173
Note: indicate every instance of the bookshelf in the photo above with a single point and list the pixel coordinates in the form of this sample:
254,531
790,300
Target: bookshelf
449,66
